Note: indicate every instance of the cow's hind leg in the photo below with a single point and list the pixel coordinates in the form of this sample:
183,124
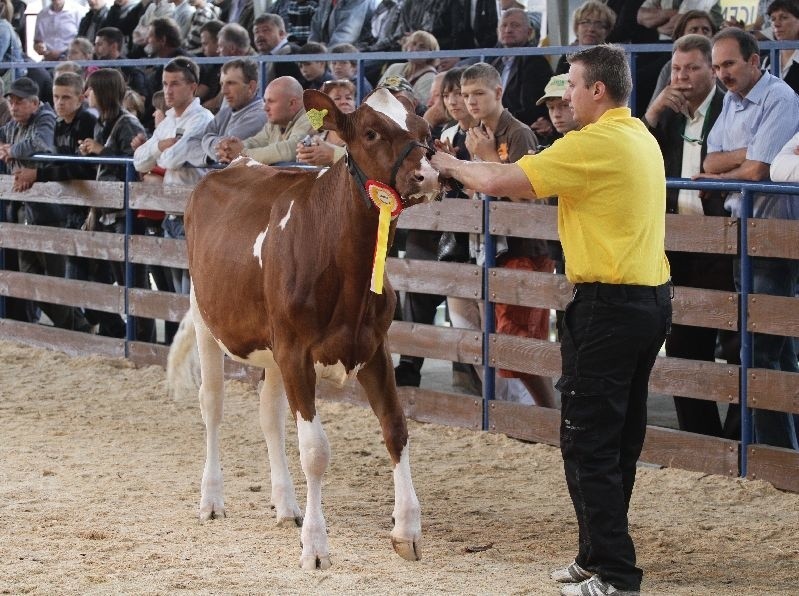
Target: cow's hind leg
377,379
273,409
212,395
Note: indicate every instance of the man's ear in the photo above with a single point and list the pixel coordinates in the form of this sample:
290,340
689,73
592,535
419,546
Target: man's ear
599,90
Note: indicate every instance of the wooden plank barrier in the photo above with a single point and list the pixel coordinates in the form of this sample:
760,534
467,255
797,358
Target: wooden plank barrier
705,308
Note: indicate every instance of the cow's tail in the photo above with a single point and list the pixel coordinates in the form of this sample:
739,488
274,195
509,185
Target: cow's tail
183,362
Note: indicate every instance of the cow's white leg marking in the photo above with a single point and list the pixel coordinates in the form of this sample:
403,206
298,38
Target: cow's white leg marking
407,532
286,217
212,395
273,409
314,457
258,246
385,103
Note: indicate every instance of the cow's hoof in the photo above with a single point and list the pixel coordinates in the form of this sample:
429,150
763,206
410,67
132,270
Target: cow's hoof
407,549
289,522
211,511
312,562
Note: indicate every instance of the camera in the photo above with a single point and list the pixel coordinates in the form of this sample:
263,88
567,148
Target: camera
307,141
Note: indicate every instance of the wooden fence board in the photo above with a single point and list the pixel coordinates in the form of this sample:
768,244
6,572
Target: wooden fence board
454,215
157,305
773,238
777,315
529,288
529,423
171,198
60,241
525,220
702,233
154,250
534,356
705,308
688,451
774,465
45,288
73,343
432,341
109,195
431,277
773,390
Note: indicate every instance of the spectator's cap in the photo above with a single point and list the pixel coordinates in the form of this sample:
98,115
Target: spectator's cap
23,88
396,83
555,89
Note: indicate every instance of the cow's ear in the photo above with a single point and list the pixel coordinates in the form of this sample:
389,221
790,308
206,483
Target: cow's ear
322,112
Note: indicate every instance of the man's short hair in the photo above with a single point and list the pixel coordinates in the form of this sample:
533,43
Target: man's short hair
185,65
691,42
248,68
313,47
483,72
606,63
746,41
112,35
345,48
69,79
271,19
167,29
212,27
789,6
235,34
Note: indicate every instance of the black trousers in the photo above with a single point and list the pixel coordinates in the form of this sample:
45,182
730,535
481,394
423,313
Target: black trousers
610,338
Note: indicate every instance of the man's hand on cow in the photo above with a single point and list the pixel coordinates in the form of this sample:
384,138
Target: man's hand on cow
444,163
24,179
481,143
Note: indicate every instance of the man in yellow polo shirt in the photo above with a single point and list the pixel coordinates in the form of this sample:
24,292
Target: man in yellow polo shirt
611,187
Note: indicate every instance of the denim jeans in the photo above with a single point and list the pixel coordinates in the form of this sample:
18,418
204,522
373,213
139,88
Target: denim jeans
774,277
610,338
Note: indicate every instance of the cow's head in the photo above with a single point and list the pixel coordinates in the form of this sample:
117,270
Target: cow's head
386,142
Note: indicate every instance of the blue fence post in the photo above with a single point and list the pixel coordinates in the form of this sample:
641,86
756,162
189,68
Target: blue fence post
488,318
130,323
746,336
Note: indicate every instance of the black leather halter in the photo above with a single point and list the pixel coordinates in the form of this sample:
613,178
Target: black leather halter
357,173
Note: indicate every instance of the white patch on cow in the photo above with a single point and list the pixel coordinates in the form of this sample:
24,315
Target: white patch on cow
258,246
322,172
260,358
387,104
252,163
407,514
336,373
314,458
285,219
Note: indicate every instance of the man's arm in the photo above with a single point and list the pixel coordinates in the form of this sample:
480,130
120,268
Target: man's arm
651,16
785,167
733,165
494,179
41,141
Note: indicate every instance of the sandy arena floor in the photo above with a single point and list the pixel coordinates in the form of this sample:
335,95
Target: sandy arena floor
99,485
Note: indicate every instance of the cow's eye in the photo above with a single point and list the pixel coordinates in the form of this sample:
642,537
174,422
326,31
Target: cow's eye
371,135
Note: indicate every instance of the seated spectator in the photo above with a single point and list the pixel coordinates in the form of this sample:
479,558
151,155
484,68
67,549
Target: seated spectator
155,9
241,115
204,12
297,16
80,48
240,12
286,124
443,19
159,107
348,69
183,14
418,72
664,14
167,152
523,77
592,21
108,45
56,26
269,35
134,103
233,40
124,15
339,21
209,88
314,72
163,41
325,148
436,114
94,19
384,33
784,15
533,16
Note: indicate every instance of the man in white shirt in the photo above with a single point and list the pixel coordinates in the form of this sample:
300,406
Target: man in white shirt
165,154
56,27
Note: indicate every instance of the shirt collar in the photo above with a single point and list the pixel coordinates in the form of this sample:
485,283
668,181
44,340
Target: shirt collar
703,108
283,42
616,114
758,92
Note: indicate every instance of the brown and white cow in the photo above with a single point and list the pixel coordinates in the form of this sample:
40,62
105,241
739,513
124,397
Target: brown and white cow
280,262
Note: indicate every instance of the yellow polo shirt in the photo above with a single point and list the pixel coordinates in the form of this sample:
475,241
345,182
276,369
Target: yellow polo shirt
611,189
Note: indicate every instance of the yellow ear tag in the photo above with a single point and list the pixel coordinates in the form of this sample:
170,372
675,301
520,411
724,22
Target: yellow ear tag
389,205
316,117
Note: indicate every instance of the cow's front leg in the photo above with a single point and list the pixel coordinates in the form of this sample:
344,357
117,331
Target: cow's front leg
299,379
377,379
212,394
273,410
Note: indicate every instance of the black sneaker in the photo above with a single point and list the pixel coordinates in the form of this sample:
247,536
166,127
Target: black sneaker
406,375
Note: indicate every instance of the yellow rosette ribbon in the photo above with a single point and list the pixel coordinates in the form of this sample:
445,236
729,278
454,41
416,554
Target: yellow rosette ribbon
389,206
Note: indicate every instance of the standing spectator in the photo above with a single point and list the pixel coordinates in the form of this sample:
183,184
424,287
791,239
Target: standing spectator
108,45
314,72
80,48
418,72
240,12
340,21
31,131
242,115
681,117
443,19
759,116
155,9
481,26
204,12
523,77
56,26
385,32
286,124
297,16
168,150
94,19
124,15
184,11
611,223
10,45
664,14
269,35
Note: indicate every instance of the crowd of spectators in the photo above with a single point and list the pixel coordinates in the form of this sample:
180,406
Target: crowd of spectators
179,119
